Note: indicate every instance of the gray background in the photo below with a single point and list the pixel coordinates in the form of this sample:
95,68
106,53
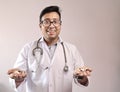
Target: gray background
92,25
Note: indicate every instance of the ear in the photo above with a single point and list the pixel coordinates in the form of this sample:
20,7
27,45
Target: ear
40,25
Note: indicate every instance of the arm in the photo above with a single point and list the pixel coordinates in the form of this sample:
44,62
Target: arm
81,72
18,73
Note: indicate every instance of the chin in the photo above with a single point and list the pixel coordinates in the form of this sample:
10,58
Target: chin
52,37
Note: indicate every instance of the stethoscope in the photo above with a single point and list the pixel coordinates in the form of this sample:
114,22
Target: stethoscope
40,50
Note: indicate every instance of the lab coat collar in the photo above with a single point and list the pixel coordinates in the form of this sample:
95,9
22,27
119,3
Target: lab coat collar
59,40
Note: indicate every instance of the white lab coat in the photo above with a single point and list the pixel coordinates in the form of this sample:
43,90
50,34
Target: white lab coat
53,79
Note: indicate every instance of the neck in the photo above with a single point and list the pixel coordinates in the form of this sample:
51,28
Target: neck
51,41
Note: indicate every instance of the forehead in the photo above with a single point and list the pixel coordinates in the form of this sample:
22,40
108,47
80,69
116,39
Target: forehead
51,15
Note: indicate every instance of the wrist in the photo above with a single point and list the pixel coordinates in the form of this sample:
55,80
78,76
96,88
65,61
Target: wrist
19,80
80,77
83,80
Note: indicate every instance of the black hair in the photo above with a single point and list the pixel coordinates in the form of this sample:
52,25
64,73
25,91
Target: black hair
50,9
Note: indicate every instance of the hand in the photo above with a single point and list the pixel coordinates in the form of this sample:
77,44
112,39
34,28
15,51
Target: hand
82,71
17,74
81,75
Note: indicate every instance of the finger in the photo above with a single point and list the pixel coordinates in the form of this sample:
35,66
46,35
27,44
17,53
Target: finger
18,76
76,71
81,73
89,69
24,74
82,69
84,73
12,70
88,73
11,76
15,73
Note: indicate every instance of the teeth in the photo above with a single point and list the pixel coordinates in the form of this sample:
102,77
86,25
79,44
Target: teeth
51,31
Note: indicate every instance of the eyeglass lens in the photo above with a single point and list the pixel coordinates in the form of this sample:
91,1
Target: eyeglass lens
47,22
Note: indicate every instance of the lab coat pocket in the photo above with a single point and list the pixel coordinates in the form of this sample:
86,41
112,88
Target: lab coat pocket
38,74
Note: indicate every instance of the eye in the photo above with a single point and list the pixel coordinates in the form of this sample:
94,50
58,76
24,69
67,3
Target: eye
46,22
55,22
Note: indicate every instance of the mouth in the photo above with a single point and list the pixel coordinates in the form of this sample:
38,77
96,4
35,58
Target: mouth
51,32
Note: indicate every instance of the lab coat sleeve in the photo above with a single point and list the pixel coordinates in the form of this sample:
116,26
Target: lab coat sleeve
21,63
77,58
21,88
78,62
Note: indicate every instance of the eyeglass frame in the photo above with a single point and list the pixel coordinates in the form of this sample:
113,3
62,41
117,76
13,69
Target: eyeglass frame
48,20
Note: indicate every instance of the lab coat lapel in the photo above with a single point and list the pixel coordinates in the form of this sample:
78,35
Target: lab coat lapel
37,65
57,75
58,55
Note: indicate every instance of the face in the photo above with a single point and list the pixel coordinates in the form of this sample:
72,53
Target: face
50,26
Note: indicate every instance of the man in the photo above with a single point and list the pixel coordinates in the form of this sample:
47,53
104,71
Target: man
49,64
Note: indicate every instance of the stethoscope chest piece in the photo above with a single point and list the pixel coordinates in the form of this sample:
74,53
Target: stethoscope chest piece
66,68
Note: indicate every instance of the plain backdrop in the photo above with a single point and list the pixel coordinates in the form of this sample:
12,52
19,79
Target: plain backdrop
92,25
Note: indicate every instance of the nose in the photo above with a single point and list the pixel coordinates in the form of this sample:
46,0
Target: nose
51,24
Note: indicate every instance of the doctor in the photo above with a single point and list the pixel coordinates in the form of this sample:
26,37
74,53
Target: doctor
48,64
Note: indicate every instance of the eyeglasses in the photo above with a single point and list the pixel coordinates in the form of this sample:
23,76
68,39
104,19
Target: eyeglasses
47,22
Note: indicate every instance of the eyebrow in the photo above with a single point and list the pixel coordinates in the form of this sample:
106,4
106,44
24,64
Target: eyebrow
51,19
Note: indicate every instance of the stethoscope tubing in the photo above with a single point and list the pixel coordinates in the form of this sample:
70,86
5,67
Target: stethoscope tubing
65,69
